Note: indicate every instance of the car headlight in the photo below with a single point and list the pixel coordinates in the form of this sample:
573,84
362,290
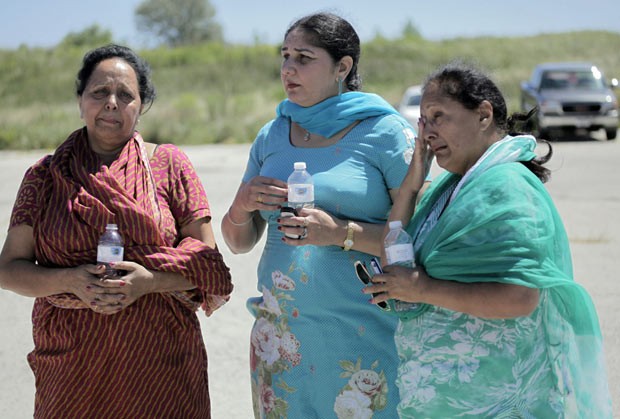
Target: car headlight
610,107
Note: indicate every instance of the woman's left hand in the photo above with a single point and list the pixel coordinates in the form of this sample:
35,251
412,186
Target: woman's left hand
398,282
121,292
312,226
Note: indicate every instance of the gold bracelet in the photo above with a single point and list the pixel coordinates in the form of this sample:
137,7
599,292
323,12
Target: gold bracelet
238,224
348,242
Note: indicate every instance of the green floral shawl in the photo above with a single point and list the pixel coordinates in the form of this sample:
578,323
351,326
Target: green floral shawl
501,226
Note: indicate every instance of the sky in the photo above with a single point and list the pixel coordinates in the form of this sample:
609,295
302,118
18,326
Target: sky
44,23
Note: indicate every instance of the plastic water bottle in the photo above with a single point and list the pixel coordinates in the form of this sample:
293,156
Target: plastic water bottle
110,249
399,246
399,251
300,187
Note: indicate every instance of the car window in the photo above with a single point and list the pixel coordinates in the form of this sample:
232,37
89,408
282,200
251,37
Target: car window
414,100
561,79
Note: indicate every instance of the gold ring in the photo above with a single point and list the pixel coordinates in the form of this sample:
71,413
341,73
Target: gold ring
259,199
305,221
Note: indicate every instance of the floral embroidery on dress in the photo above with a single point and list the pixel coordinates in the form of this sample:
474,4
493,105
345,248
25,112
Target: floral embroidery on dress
439,365
365,393
274,348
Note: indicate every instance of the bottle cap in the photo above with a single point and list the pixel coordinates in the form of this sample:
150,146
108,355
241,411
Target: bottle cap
111,227
395,224
299,165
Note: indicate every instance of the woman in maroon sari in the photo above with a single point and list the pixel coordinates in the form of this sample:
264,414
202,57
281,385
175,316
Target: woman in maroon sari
127,347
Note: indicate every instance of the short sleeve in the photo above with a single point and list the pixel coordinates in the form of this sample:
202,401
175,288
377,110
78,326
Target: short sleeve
255,160
185,193
27,205
394,152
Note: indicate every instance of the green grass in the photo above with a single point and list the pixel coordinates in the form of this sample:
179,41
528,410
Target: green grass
216,93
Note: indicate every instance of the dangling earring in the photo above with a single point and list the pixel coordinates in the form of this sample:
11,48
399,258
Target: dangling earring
339,86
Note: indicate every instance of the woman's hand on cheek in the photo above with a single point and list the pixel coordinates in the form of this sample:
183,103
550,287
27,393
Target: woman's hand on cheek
424,156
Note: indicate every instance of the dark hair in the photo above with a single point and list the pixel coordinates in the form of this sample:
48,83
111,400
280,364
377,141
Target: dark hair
94,57
335,35
469,86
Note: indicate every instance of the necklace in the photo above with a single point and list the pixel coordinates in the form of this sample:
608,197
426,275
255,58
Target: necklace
307,136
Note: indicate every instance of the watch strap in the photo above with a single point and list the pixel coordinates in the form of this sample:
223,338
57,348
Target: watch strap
348,242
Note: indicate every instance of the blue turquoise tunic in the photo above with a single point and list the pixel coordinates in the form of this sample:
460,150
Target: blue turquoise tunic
500,226
318,348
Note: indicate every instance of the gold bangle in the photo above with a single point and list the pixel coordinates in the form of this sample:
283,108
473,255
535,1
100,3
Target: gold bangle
238,224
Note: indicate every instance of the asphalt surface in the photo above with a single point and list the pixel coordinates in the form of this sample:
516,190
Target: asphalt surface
584,186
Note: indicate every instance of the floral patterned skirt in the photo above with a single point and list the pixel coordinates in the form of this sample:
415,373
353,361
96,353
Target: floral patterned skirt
456,365
318,348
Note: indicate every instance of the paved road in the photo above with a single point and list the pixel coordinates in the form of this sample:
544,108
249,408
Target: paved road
584,186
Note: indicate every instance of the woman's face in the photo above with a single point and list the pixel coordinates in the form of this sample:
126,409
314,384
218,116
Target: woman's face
110,105
455,134
309,74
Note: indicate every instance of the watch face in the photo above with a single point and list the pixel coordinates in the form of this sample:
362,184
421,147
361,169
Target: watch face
348,243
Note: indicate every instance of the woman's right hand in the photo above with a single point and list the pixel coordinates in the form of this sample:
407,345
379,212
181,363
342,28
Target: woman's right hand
413,185
85,283
421,163
260,193
240,228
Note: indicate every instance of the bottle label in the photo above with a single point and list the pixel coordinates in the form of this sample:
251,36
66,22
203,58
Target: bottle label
107,254
399,253
400,306
303,192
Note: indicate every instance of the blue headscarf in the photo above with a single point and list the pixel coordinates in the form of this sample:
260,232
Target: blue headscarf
332,115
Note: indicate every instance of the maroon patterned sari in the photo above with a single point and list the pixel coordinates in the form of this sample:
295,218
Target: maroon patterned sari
149,360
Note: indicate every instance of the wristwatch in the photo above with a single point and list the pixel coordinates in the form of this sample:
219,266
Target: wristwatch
348,242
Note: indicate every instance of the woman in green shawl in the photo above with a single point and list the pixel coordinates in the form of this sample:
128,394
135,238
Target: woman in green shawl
501,328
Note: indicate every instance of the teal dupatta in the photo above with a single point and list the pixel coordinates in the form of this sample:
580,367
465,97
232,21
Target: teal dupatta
501,226
335,113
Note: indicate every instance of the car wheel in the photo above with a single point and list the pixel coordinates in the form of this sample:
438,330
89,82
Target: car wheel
611,133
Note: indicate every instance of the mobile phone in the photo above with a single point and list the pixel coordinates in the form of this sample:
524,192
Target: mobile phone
376,266
364,276
286,212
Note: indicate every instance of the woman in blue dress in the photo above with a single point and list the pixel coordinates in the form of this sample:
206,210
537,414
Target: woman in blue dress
318,348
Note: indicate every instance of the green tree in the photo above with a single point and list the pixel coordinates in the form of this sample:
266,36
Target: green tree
411,31
91,36
178,22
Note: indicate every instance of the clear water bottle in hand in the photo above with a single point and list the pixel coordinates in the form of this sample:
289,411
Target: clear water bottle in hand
300,193
399,251
399,246
300,187
110,249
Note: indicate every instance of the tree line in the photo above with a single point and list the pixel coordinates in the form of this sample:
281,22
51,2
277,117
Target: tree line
172,23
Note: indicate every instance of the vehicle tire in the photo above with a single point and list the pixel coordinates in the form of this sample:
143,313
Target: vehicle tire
611,133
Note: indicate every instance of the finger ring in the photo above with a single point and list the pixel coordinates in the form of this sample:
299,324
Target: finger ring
304,234
305,222
259,199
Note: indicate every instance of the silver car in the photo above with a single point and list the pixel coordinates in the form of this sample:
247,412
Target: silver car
570,97
409,106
